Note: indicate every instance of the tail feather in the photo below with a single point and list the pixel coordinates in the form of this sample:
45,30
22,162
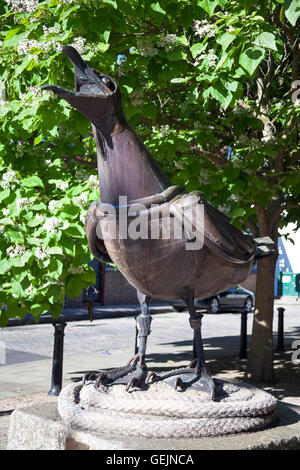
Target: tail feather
265,247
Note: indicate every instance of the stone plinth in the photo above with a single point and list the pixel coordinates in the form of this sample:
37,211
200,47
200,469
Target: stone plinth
40,427
167,413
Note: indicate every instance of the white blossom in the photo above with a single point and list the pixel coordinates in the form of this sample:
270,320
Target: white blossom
51,224
81,175
146,49
81,200
76,269
30,290
93,182
79,44
52,205
40,217
15,250
22,6
211,57
65,225
51,30
8,178
6,212
26,45
168,41
204,29
41,252
22,202
136,98
35,91
62,185
19,150
1,228
162,131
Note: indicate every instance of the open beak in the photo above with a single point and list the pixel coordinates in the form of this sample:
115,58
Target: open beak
92,88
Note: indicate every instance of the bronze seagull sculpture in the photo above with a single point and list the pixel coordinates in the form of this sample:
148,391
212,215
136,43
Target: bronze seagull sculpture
158,267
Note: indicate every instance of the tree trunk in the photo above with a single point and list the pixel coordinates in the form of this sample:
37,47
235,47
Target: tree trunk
260,361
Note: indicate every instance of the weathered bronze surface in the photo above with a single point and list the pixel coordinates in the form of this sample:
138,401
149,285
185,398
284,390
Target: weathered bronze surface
159,268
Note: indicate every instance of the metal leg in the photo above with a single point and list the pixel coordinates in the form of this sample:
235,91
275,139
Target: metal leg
134,373
203,381
136,337
143,322
196,374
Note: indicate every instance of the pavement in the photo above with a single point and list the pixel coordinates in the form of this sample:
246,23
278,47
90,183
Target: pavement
26,350
117,311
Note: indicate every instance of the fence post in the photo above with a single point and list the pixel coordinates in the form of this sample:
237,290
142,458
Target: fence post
243,338
280,332
58,352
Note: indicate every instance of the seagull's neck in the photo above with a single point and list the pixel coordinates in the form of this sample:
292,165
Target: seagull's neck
126,168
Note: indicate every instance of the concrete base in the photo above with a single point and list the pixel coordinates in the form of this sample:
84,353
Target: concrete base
39,427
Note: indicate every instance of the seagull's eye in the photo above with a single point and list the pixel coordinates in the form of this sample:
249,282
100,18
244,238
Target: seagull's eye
108,83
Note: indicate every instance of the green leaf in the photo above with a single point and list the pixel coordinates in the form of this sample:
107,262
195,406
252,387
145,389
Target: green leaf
197,48
4,194
112,3
56,309
38,140
225,40
156,7
4,266
251,58
180,80
89,276
36,310
75,231
102,46
208,5
237,212
73,288
32,181
222,95
14,236
13,36
55,250
292,11
20,261
4,317
266,40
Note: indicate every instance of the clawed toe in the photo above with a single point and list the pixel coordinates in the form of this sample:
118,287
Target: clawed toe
184,378
151,378
132,375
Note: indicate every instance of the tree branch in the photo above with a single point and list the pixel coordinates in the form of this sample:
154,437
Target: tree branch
216,158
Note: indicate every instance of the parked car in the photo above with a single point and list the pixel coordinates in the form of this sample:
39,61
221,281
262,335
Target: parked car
236,299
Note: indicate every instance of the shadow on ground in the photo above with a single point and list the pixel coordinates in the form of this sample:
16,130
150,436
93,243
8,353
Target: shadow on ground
287,374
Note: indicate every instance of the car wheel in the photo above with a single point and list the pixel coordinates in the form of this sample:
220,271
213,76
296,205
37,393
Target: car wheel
214,305
178,309
248,305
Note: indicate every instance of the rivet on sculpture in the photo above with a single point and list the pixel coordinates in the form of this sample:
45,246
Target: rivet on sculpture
162,267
